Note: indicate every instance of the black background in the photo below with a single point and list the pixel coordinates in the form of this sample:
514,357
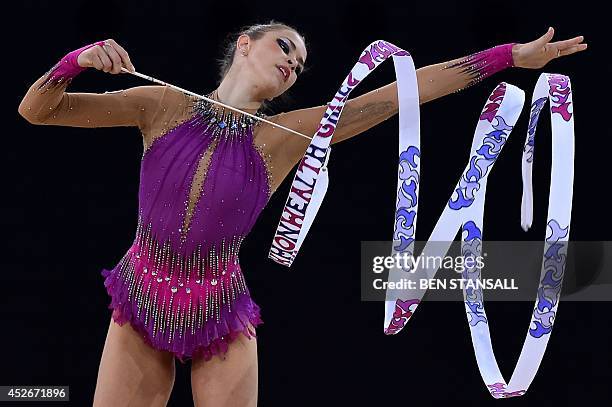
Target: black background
70,200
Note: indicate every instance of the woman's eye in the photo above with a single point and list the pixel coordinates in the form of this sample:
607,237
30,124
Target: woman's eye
284,46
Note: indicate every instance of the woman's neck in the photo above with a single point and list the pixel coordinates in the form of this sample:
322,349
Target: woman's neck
235,94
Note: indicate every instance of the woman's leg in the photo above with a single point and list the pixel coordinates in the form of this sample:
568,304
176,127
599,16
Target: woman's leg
227,383
131,372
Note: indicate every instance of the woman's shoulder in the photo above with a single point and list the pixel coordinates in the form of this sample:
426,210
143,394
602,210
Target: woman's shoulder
173,97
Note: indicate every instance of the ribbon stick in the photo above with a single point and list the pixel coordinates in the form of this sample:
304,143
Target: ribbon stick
312,179
152,79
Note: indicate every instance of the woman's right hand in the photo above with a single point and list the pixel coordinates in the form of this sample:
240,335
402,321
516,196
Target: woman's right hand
109,57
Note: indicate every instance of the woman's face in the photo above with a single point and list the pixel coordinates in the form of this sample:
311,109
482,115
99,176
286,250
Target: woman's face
276,59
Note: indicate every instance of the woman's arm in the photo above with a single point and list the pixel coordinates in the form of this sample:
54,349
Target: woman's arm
47,102
434,81
366,111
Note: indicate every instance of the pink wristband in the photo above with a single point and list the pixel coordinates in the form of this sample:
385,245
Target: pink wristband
483,64
66,68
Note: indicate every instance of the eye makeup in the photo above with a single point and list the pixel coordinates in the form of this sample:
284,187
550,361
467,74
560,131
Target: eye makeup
285,47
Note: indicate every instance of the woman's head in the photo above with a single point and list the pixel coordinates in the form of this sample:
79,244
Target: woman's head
271,56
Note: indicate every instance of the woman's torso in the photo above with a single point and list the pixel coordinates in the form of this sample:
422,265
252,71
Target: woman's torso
202,182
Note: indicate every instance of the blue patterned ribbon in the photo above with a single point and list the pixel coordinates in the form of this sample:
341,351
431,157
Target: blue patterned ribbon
465,211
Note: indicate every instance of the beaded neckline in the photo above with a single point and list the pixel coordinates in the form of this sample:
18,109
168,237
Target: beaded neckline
224,121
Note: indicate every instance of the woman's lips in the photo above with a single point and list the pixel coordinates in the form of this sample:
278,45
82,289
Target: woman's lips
284,72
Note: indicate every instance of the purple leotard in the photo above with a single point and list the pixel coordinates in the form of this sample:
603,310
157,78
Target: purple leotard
180,284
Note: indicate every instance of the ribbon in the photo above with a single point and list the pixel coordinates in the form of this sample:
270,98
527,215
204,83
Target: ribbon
312,179
465,210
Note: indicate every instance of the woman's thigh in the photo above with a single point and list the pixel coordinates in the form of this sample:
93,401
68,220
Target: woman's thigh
229,382
131,372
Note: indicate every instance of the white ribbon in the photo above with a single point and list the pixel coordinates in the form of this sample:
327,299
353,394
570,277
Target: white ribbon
465,210
496,120
311,179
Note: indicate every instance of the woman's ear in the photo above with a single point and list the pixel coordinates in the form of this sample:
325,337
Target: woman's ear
243,44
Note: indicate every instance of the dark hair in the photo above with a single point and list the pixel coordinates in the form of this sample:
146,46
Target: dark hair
255,32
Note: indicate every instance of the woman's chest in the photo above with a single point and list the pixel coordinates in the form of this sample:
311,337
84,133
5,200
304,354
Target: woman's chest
187,172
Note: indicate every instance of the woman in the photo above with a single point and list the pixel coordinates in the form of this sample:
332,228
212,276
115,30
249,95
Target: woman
205,176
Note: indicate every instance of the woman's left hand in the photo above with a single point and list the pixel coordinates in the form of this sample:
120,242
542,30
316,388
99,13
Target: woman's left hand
537,53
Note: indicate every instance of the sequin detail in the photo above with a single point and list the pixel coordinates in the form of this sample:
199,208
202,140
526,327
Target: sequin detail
167,130
180,303
483,64
66,69
209,117
54,78
224,121
267,160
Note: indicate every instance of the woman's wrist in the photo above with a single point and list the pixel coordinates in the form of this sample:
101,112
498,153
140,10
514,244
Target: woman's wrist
66,68
516,54
497,59
483,64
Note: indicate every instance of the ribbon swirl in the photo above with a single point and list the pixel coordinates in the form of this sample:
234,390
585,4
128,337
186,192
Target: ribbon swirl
464,210
312,179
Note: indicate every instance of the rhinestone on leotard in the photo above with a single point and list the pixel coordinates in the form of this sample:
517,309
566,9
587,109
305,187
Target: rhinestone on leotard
224,121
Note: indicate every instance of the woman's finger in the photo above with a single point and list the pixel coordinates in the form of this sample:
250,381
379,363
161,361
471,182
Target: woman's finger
125,58
97,62
106,61
544,39
114,57
573,49
568,43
